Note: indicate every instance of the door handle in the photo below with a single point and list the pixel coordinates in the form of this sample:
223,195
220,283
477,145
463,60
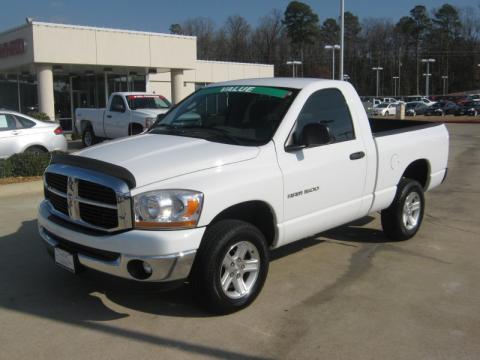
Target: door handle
109,116
357,155
15,132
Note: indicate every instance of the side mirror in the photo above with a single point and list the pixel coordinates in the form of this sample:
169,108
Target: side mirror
315,134
160,117
312,135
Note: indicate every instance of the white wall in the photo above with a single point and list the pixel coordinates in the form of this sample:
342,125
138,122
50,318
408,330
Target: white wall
208,72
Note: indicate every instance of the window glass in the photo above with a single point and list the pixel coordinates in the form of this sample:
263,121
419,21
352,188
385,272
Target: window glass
147,102
327,107
7,122
117,102
24,122
242,115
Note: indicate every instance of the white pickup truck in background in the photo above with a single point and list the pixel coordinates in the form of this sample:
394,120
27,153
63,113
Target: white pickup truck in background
127,113
233,171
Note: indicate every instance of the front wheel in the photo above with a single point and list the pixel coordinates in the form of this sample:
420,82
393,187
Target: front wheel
231,266
403,218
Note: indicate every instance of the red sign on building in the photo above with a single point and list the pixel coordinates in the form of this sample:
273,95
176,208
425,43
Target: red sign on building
11,48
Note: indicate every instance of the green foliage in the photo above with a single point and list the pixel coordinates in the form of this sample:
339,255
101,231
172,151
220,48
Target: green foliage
330,32
447,22
24,164
176,29
301,23
40,116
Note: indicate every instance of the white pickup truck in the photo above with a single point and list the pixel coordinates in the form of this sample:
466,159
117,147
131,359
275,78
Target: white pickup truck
127,113
235,170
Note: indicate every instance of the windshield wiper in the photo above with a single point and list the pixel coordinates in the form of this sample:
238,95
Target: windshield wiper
195,131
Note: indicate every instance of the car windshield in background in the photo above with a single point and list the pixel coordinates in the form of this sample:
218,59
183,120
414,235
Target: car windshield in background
383,105
147,102
241,115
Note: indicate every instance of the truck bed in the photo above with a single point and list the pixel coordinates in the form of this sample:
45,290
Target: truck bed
383,127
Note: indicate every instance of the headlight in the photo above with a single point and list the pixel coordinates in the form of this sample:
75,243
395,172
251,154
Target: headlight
167,209
149,121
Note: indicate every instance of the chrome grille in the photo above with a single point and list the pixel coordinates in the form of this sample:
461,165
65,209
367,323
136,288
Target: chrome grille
88,198
96,192
103,217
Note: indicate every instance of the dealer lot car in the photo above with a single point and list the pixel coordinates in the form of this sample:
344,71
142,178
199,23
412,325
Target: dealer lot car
385,109
21,133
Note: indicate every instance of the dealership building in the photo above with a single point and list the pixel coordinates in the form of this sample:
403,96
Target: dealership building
54,68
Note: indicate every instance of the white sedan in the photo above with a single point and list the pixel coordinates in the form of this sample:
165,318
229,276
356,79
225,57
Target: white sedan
21,133
385,109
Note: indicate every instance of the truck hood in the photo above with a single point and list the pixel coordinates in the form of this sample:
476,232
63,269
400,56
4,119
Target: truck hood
150,112
154,157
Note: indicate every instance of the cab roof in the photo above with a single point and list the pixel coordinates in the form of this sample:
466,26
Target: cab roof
284,82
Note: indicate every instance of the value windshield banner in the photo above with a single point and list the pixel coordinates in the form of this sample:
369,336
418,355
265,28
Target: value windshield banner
260,90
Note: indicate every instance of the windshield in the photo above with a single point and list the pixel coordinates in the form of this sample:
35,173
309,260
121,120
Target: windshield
241,115
147,102
383,105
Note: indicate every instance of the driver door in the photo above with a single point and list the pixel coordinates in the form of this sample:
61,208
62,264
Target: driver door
117,118
323,184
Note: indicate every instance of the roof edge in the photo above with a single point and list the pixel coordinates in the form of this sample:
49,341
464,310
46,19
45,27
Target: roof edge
98,28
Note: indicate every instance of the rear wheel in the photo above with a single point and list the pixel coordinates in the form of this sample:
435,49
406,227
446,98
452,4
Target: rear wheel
403,218
88,137
231,266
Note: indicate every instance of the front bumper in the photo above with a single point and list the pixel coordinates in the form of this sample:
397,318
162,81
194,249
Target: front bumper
170,254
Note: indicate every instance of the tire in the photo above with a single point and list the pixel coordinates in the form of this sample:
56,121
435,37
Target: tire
88,137
36,150
387,113
220,259
403,218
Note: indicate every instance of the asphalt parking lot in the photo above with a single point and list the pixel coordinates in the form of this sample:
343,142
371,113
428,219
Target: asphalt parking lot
347,294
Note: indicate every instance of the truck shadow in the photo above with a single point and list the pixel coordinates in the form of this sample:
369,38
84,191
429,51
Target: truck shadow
31,283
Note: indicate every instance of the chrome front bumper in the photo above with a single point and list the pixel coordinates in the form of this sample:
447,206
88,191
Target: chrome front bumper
164,268
174,265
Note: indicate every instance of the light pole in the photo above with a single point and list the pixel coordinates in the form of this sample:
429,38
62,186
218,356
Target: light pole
342,36
427,75
377,69
294,63
395,78
333,48
445,79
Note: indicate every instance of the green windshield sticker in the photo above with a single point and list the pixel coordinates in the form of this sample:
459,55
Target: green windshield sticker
261,90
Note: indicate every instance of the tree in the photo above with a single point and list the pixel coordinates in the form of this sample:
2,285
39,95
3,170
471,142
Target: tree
204,29
446,32
447,22
330,32
267,37
352,42
176,29
238,32
302,25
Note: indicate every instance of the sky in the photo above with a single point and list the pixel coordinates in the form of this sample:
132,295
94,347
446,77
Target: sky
158,15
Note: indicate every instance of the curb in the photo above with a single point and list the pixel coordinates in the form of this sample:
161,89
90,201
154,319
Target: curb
25,188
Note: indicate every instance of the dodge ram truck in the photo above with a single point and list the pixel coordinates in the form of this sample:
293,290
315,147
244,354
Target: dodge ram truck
234,170
127,113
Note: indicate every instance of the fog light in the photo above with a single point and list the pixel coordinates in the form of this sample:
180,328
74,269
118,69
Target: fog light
147,268
139,269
